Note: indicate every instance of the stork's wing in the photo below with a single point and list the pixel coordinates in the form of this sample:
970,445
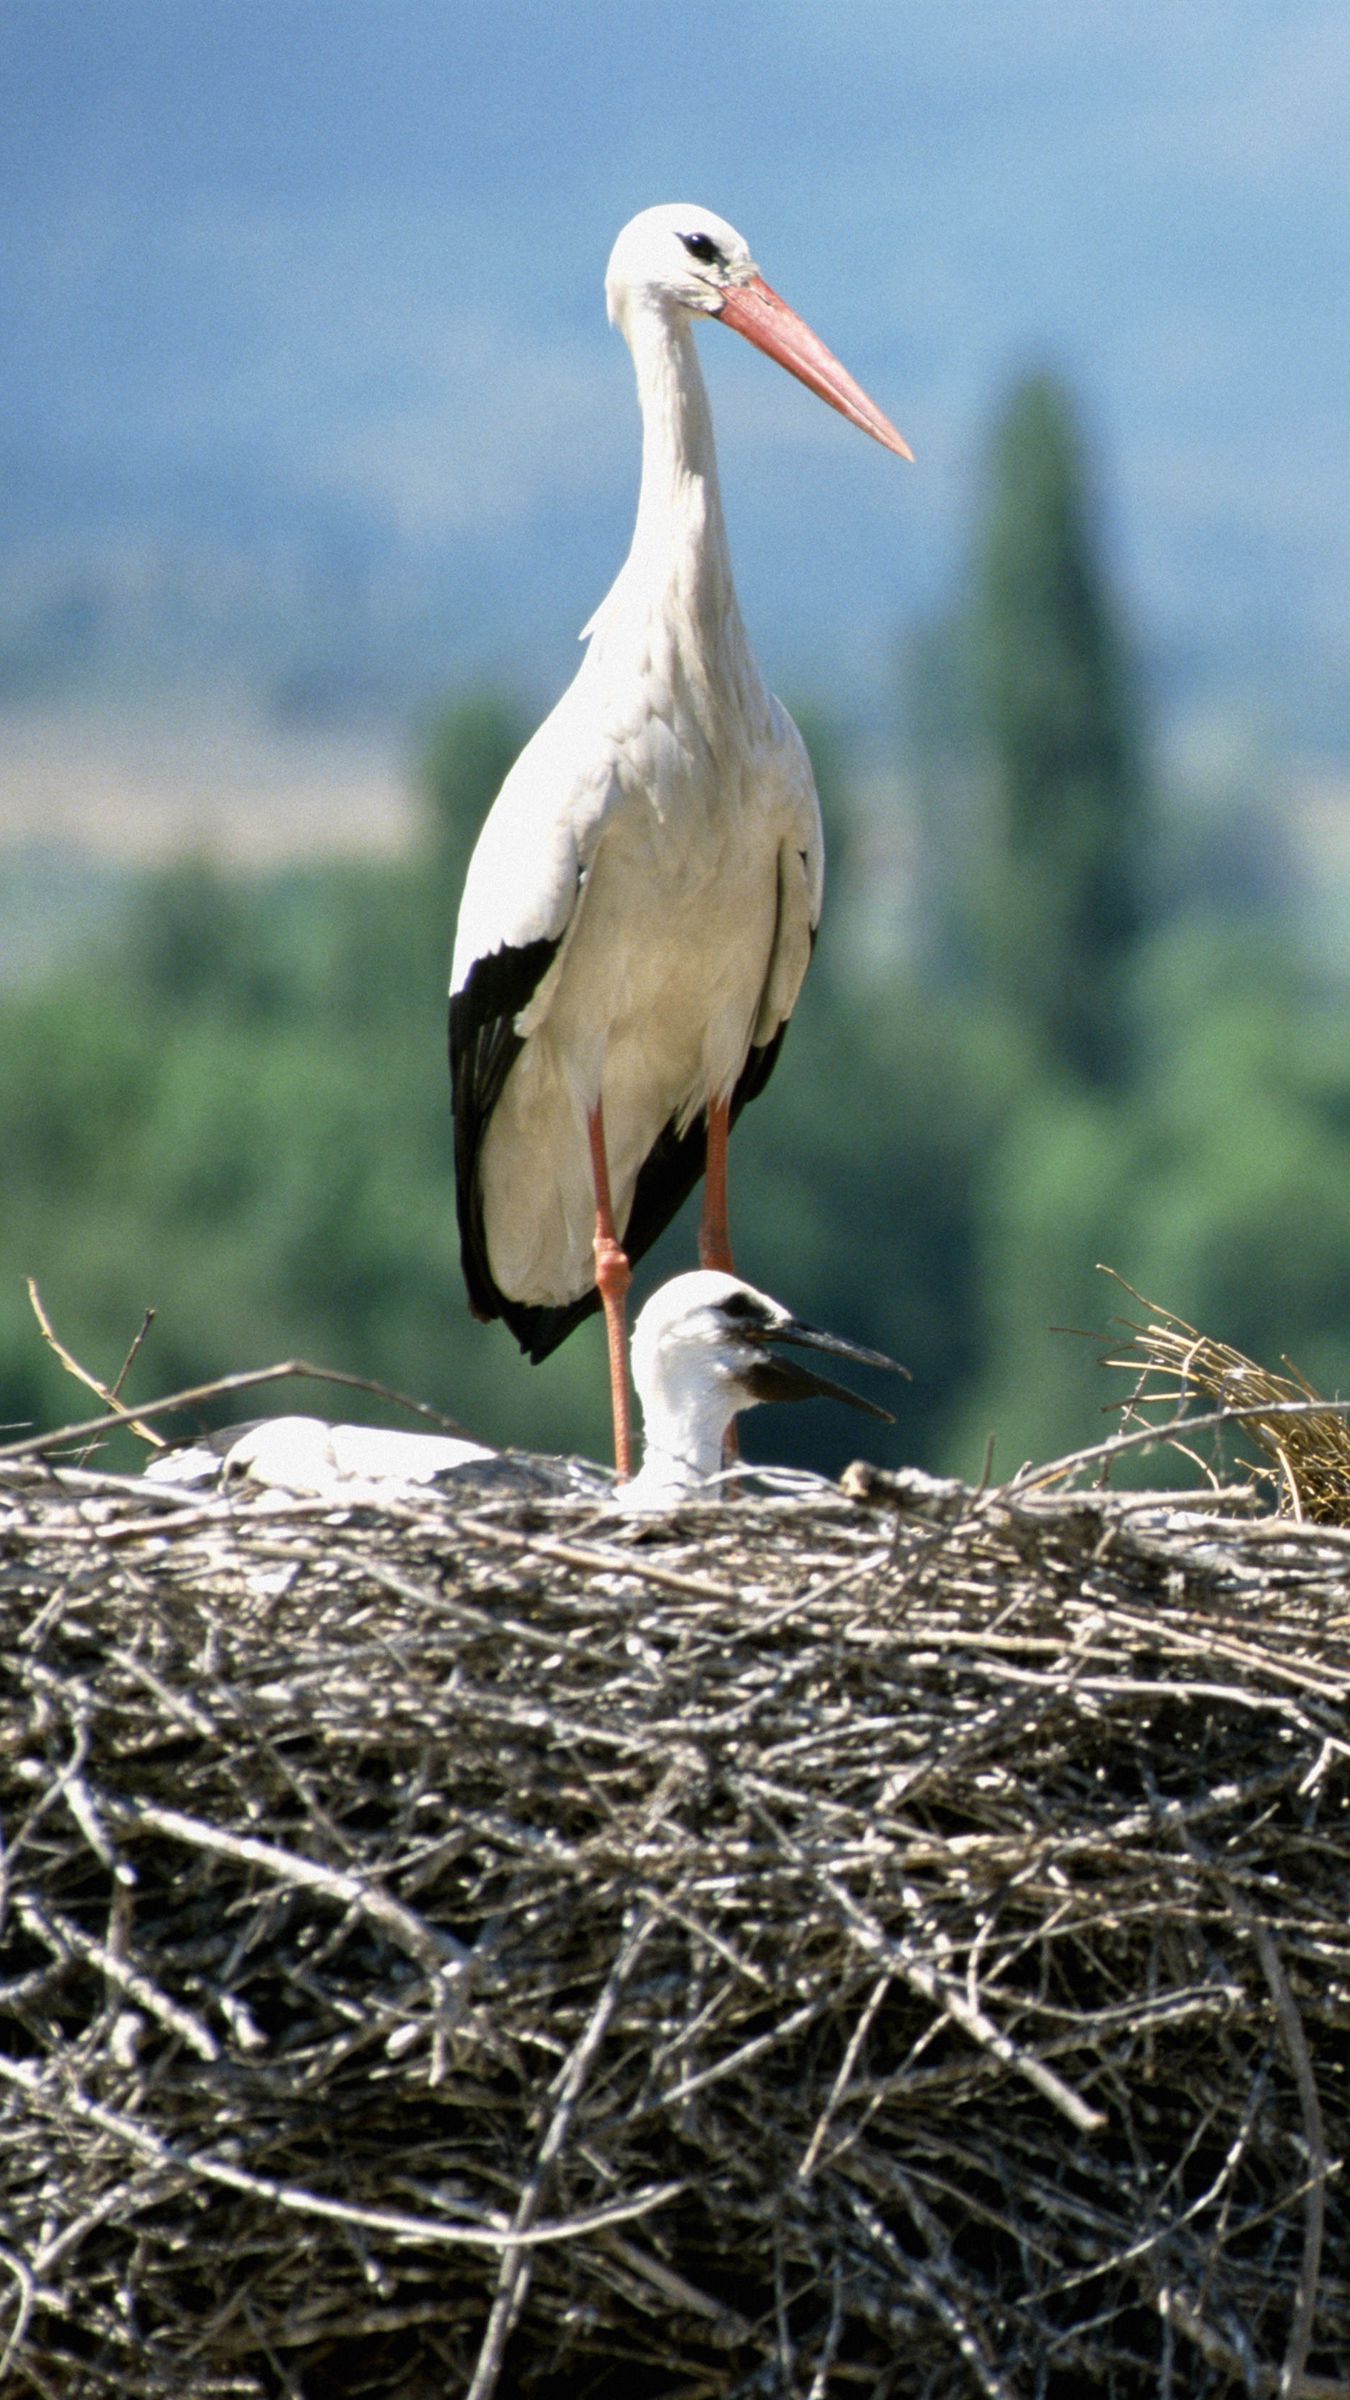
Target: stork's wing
484,1045
520,899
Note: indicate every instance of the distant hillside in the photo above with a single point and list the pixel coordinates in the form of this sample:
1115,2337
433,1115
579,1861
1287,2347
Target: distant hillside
308,380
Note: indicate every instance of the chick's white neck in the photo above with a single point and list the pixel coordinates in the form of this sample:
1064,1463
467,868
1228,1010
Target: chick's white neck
684,1417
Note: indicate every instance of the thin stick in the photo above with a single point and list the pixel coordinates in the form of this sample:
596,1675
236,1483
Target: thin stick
92,1382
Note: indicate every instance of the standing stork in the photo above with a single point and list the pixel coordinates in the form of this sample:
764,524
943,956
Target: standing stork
640,907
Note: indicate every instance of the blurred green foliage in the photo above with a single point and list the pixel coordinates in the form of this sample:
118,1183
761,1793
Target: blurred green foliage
237,1111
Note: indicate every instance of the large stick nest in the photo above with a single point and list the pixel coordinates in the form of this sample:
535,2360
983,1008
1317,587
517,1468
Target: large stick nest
884,1941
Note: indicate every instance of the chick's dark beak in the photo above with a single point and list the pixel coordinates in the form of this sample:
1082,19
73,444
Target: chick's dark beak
776,1378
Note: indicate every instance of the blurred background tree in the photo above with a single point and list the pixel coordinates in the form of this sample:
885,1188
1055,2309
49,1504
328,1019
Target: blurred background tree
1060,895
235,1107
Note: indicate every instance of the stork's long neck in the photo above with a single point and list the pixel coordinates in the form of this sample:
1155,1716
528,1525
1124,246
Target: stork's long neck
678,570
680,539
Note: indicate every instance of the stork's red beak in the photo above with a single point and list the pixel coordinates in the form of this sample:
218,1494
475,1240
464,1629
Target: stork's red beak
756,310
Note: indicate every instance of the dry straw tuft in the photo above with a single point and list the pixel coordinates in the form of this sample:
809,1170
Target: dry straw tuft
1303,1439
893,1940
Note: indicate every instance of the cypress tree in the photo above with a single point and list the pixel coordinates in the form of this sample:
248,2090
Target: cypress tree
1064,860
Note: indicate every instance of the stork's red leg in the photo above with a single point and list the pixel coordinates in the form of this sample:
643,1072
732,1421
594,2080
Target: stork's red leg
714,1233
612,1277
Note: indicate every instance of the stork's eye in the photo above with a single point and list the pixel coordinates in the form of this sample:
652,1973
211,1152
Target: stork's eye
702,247
741,1310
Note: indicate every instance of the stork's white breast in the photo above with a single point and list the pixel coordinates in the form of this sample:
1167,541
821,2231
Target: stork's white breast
656,994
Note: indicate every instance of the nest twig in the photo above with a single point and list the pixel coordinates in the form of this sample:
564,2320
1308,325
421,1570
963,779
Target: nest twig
893,1940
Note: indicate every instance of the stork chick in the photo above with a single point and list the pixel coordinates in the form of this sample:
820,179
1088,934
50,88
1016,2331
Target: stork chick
706,1346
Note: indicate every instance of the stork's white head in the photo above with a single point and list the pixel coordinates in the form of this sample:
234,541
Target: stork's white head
706,1346
676,257
680,262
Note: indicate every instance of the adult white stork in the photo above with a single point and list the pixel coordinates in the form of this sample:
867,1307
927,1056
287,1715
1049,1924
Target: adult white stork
640,907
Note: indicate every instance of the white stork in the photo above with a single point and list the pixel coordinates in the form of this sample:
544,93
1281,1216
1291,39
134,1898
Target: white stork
706,1346
640,907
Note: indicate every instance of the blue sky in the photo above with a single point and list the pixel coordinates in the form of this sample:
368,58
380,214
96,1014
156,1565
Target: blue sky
352,250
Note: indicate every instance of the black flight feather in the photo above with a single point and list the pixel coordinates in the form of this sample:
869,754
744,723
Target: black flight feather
484,1046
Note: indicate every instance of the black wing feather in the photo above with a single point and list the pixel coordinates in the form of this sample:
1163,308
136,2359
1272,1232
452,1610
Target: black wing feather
484,1046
